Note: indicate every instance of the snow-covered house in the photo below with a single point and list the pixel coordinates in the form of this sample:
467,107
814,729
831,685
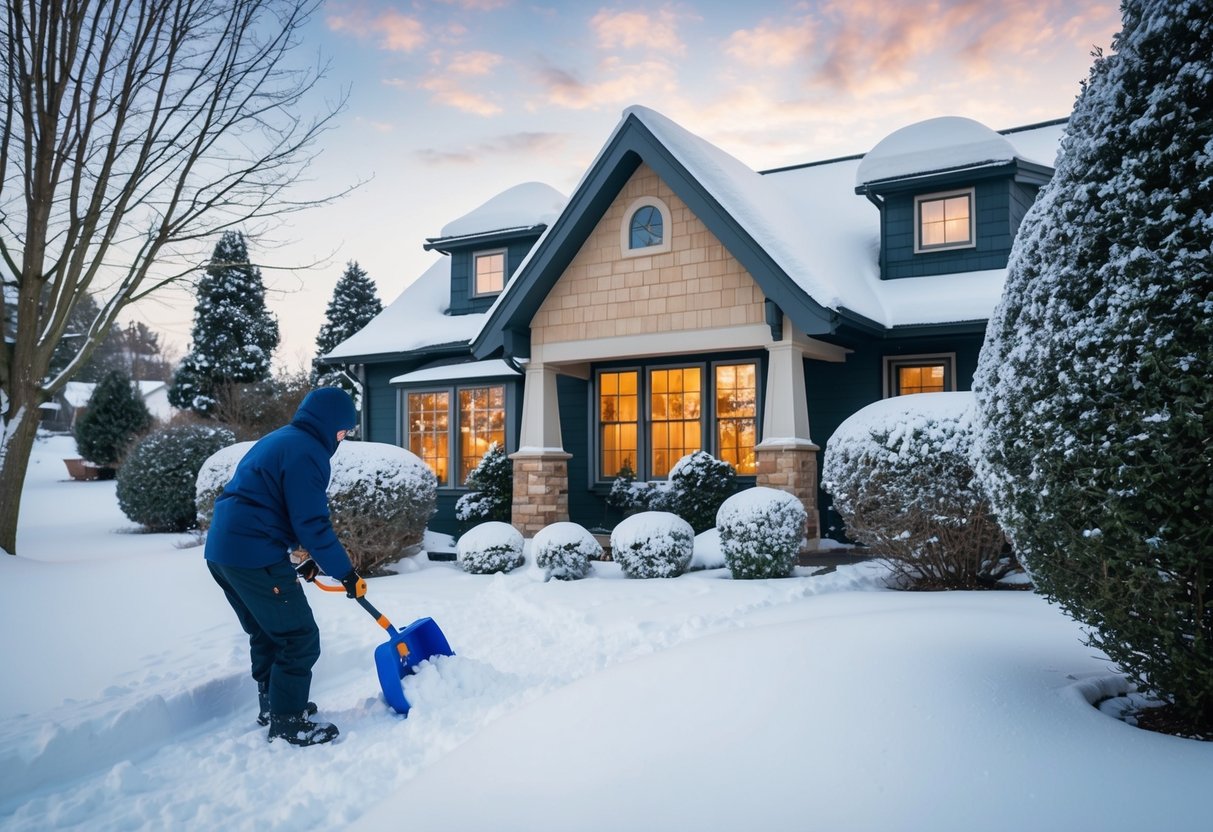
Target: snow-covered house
680,301
62,412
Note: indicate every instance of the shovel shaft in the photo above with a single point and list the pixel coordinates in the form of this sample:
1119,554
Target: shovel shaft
379,617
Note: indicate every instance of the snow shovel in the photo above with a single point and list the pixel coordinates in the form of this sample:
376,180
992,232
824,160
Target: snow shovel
402,652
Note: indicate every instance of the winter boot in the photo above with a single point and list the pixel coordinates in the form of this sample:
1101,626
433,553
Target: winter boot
263,704
299,730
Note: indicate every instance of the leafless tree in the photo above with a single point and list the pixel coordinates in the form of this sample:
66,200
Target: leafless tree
130,130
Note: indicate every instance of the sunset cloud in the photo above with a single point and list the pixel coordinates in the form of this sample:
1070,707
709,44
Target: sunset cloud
770,45
448,91
474,63
617,83
477,5
509,144
637,30
394,31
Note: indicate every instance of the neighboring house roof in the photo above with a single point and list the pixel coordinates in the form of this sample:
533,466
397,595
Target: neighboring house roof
77,393
416,320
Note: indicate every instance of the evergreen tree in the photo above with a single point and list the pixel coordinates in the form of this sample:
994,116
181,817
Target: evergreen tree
234,334
116,415
355,302
107,355
1093,388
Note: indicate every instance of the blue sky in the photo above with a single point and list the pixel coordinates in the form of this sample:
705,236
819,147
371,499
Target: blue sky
453,101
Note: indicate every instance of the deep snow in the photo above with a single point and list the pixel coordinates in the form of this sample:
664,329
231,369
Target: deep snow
814,702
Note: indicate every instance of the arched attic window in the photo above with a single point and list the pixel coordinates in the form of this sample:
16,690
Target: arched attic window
646,227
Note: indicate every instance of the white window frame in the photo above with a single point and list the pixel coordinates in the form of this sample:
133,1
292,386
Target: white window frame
919,199
505,271
625,228
892,362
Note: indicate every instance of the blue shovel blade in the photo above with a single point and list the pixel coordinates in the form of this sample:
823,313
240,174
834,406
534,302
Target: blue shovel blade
424,640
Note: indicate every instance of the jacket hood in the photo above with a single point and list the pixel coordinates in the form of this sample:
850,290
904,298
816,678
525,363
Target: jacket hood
324,412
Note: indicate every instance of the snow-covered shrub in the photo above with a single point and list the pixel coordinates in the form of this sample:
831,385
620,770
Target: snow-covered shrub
623,497
564,551
380,498
1093,388
653,544
490,547
156,484
699,484
901,479
115,416
492,489
761,530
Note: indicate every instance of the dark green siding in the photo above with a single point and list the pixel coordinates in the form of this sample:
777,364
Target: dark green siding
835,391
1022,197
462,301
381,405
585,506
994,234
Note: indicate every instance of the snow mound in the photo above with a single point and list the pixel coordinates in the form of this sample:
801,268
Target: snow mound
933,145
522,206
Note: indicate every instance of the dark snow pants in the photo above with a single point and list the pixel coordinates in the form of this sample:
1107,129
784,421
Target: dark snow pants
284,641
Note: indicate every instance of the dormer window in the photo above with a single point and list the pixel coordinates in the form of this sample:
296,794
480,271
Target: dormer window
646,228
489,267
944,221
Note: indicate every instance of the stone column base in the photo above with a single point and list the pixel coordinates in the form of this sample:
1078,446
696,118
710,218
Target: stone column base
541,489
792,467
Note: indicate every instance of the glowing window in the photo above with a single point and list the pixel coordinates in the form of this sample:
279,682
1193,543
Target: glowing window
429,431
944,221
481,423
736,415
675,425
490,272
618,418
919,374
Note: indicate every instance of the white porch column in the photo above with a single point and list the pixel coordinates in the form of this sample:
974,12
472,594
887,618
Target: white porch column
787,457
541,469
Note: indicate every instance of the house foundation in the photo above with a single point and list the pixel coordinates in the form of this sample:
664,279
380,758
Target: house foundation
792,467
541,490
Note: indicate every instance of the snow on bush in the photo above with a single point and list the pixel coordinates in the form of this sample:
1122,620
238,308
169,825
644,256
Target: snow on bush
761,530
699,484
1094,388
653,544
156,482
380,498
564,551
492,489
901,479
490,547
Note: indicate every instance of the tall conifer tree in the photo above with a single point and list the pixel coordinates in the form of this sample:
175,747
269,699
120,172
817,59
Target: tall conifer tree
355,302
234,333
1093,387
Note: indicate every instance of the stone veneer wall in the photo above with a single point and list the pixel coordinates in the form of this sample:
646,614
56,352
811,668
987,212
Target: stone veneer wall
541,491
603,294
793,469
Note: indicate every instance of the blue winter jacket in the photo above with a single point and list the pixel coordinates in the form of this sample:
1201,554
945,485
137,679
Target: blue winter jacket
276,500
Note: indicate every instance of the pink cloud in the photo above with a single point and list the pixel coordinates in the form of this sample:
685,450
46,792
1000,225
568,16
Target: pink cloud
633,30
620,83
474,63
770,45
448,91
394,31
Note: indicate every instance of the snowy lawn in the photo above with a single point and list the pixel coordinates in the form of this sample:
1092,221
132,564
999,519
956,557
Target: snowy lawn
815,702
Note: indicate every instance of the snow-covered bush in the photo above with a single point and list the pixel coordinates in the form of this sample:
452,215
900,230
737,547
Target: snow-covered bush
380,498
653,544
699,484
490,547
156,483
761,530
492,490
564,551
1093,388
901,479
115,416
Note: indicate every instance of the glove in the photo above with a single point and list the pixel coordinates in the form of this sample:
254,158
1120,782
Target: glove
355,586
308,570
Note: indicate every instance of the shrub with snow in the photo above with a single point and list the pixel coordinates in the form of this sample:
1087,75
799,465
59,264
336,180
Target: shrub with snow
564,551
653,544
1094,388
492,489
699,484
761,530
156,483
490,547
380,498
901,479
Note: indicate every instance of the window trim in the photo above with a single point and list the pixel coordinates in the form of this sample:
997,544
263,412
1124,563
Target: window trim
625,228
919,199
893,362
454,421
707,409
505,272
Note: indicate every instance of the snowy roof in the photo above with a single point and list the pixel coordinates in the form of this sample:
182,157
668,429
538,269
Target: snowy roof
492,368
77,393
937,144
522,206
415,320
